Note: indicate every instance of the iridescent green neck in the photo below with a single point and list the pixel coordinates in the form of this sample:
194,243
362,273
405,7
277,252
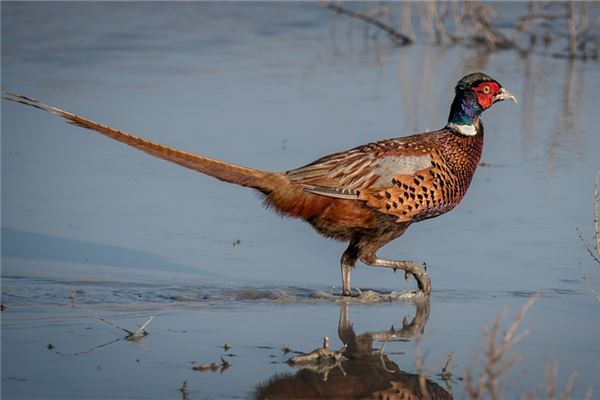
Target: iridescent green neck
464,109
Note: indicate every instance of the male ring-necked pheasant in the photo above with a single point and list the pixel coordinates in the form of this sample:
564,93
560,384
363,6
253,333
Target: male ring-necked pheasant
368,195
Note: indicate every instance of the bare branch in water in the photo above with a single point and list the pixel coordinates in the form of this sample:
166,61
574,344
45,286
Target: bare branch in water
588,284
321,360
213,366
131,335
447,368
587,246
473,23
398,38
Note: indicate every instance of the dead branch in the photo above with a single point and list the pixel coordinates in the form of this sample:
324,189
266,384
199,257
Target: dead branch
321,360
131,335
479,15
213,366
588,284
587,246
80,353
406,19
473,23
447,368
141,331
321,355
399,39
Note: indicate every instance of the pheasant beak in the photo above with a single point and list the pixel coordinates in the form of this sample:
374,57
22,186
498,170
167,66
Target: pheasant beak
504,95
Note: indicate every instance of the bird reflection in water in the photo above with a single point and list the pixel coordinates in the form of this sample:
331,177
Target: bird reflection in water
361,372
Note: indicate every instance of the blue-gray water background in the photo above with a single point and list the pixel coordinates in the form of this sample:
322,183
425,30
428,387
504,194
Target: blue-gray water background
272,86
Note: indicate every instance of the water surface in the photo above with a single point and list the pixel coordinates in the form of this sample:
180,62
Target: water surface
91,227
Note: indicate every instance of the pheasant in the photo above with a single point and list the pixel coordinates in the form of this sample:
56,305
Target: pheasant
367,196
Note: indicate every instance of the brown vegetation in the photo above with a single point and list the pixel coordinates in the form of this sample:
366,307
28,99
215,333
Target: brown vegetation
496,362
473,23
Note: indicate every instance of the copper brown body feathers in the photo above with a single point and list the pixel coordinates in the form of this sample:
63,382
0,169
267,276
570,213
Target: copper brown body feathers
411,178
366,196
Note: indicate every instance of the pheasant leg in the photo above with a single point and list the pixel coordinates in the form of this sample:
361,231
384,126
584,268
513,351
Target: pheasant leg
417,270
348,261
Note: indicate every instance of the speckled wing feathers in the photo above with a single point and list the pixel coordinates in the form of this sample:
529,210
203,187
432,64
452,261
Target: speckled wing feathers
367,172
409,177
409,197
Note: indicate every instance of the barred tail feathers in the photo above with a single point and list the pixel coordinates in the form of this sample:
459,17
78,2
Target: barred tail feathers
224,171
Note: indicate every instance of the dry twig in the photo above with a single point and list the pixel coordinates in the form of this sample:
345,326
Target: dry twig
399,39
588,284
213,366
496,364
447,368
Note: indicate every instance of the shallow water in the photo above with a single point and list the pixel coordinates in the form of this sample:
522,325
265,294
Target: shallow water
91,228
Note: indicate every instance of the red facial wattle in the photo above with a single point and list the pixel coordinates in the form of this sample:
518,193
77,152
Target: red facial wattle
485,93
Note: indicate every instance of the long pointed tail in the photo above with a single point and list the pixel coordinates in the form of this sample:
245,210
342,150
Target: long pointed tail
258,179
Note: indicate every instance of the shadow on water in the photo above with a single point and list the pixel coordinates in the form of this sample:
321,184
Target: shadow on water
24,245
362,371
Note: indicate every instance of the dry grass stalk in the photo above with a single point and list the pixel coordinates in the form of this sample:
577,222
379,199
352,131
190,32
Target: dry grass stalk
593,252
597,214
496,363
550,379
589,395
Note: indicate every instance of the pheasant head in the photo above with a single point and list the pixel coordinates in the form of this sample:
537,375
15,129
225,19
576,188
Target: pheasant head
474,93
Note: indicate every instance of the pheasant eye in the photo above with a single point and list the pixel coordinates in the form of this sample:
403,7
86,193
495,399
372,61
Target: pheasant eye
486,89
